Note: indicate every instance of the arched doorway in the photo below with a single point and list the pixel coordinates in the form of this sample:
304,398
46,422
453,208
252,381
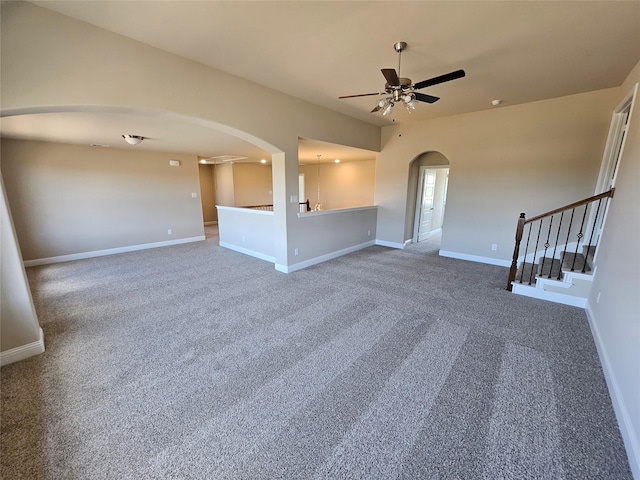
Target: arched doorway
426,197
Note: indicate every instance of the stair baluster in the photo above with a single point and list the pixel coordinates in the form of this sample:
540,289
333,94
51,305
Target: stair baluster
593,228
526,250
580,235
546,247
535,252
555,248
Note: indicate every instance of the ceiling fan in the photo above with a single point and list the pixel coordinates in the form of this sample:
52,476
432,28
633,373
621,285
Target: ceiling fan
401,89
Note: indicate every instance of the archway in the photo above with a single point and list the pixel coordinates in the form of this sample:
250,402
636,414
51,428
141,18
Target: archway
428,172
149,113
151,197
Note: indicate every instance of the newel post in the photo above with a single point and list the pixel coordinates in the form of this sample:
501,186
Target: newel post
516,251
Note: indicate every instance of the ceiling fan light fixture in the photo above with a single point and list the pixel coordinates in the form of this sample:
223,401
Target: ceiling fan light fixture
388,108
133,139
409,101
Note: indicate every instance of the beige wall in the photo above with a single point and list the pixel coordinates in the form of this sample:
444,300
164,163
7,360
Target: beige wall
18,320
342,185
525,158
69,199
252,184
614,302
225,194
206,173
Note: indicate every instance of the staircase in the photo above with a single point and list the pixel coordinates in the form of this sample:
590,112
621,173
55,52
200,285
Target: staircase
564,280
553,268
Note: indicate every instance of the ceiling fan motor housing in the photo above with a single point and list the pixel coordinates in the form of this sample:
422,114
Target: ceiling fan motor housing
399,46
405,83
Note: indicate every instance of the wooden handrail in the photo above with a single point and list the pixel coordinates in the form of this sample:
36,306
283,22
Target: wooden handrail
572,205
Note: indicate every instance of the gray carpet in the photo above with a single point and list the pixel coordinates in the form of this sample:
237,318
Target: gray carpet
193,361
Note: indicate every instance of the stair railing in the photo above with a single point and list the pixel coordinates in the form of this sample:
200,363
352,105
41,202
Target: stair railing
542,226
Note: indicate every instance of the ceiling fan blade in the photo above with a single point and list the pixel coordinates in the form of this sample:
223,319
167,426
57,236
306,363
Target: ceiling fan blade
391,76
426,98
447,77
360,95
376,108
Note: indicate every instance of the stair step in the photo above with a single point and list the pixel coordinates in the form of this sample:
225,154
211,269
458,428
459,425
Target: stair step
589,251
550,268
577,261
544,269
554,268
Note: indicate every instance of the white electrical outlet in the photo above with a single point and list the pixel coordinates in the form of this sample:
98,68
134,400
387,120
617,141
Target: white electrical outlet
494,246
169,232
194,195
368,233
295,252
243,238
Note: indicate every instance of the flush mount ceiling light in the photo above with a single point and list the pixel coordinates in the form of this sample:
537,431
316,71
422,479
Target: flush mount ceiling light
132,139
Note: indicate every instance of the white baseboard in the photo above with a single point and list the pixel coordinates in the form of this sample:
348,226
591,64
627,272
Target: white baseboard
541,294
629,435
476,258
23,352
323,258
246,251
108,251
384,243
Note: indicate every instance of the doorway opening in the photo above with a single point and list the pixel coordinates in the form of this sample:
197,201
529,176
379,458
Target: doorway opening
427,199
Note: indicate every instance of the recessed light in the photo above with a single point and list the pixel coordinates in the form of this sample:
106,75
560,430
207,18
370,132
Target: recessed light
496,102
100,145
263,161
337,160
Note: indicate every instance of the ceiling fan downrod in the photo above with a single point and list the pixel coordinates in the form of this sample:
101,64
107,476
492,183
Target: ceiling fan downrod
399,47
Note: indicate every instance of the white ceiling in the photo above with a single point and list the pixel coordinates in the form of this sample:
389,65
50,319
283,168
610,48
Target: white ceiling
515,51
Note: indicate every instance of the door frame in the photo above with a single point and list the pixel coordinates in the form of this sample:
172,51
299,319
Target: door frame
416,221
614,148
418,202
615,144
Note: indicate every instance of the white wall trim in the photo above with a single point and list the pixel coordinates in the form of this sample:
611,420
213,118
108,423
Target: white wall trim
323,258
541,294
334,210
253,211
23,352
629,435
108,251
246,251
384,243
476,258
